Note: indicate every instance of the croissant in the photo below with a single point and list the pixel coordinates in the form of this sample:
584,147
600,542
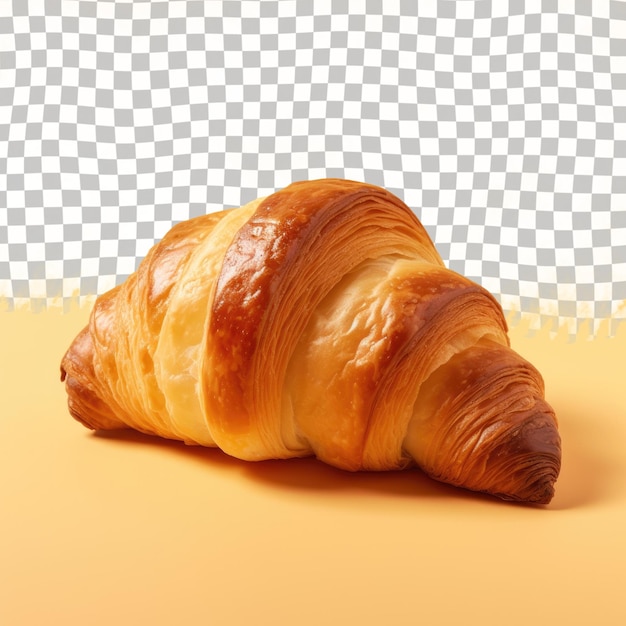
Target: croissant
318,321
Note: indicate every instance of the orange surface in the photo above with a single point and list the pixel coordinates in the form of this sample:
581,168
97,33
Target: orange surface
126,529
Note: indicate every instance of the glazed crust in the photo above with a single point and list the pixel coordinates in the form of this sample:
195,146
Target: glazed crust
318,321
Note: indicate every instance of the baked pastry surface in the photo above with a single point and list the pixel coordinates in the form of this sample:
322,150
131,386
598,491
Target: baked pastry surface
319,320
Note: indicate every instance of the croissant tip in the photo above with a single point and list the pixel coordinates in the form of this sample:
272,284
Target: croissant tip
536,450
538,494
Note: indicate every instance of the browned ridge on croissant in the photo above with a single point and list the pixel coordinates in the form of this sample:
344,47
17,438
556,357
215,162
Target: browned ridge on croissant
321,321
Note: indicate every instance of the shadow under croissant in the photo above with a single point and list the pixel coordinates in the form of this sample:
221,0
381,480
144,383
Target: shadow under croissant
580,482
307,473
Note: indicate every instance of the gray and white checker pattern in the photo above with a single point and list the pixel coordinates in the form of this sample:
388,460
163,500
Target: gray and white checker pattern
503,124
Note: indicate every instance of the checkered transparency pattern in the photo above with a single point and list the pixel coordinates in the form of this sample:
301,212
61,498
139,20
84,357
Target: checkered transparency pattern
502,124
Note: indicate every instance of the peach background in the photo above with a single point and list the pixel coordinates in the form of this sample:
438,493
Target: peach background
125,529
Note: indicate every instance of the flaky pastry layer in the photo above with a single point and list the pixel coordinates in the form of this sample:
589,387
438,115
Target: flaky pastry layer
318,321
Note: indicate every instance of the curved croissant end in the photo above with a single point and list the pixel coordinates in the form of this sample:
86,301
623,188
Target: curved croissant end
318,321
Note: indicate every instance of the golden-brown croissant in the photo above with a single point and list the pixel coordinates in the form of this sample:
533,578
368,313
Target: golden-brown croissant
321,321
